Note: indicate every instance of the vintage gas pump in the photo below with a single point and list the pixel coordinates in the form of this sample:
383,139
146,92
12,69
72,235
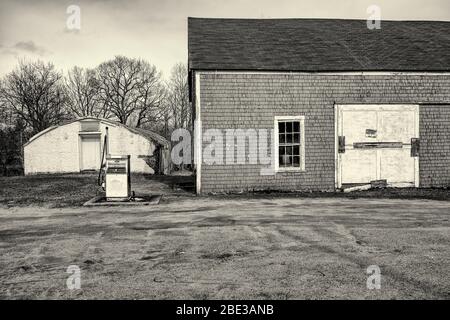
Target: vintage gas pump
114,174
117,181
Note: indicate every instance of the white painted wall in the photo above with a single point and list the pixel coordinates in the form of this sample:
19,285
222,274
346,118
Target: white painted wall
58,150
122,142
54,151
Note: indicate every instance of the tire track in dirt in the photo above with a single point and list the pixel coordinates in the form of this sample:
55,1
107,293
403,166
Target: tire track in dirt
364,262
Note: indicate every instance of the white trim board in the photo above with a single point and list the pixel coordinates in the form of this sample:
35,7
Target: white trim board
342,73
337,178
198,135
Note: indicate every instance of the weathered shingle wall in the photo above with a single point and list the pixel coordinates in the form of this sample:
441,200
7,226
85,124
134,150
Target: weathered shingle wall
435,146
251,101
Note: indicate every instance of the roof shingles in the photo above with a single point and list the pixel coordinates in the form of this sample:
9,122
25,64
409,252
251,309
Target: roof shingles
313,45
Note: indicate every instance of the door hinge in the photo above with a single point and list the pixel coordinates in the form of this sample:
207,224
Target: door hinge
341,142
415,147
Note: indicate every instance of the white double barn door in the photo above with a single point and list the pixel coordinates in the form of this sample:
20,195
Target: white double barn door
377,144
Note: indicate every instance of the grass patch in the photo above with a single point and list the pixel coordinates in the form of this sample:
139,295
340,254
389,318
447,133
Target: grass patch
442,194
70,190
53,190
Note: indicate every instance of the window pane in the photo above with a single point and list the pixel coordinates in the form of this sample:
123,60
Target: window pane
296,126
282,138
296,150
282,151
288,161
288,137
284,160
281,127
296,161
296,137
288,127
281,160
289,151
93,126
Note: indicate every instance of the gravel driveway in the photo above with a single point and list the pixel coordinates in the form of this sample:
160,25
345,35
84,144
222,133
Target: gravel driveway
207,247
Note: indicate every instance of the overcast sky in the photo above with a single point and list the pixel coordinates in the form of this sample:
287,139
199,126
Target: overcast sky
156,29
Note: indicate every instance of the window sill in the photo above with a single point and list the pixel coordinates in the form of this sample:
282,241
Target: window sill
83,133
289,170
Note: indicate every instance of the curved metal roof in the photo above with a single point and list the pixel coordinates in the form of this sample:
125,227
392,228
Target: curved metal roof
150,135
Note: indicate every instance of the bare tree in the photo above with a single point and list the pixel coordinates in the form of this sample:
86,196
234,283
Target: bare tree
5,112
178,97
152,95
82,88
35,92
131,89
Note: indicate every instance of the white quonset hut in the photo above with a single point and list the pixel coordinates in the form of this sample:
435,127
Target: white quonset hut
77,145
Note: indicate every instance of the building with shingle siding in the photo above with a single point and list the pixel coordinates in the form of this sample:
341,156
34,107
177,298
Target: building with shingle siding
345,104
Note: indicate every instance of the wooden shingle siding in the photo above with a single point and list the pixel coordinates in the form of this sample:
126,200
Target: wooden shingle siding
252,100
435,146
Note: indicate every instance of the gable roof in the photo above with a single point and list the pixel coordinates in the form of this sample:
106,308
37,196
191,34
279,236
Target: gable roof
313,45
149,135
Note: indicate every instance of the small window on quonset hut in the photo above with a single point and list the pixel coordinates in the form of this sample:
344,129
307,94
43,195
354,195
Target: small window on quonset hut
90,126
290,143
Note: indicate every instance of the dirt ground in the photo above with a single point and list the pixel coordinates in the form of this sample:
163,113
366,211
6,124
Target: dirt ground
74,189
230,248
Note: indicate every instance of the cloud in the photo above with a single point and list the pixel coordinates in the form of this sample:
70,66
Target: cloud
23,47
29,46
7,51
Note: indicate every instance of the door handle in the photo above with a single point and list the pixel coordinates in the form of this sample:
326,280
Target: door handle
377,145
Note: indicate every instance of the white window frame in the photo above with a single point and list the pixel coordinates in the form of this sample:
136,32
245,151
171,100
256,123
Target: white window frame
301,119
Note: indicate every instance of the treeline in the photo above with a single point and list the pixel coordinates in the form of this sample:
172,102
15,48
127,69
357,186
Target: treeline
35,96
